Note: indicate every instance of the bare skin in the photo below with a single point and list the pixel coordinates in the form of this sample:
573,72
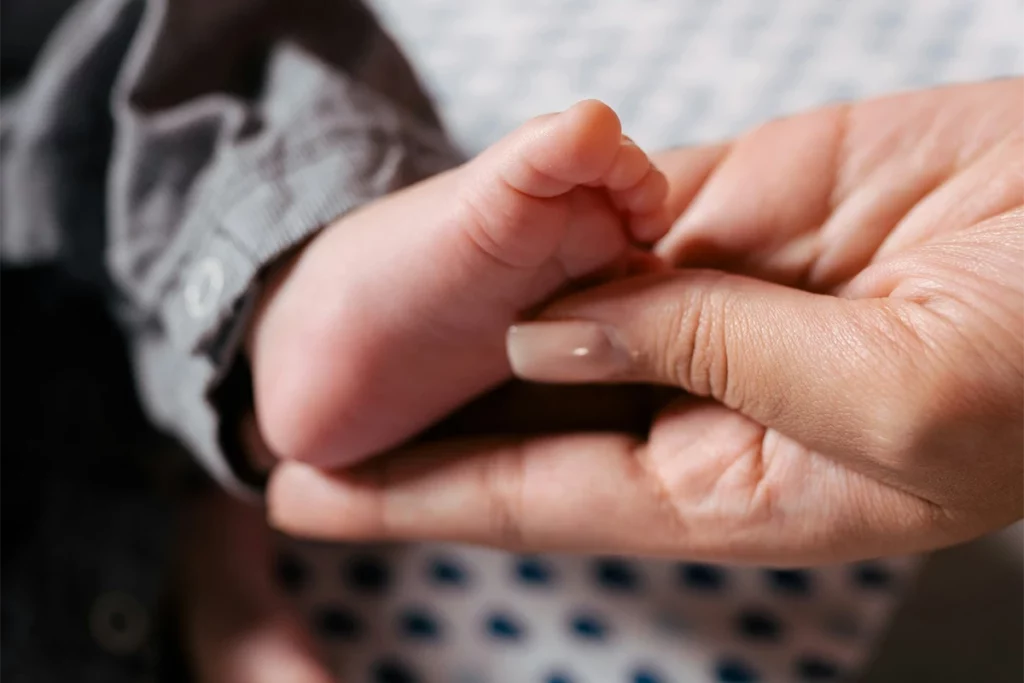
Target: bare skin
847,323
396,315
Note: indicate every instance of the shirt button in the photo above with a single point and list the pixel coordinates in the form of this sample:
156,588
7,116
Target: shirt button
205,284
119,623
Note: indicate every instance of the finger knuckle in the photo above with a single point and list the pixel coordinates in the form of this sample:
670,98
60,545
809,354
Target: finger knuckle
504,480
696,349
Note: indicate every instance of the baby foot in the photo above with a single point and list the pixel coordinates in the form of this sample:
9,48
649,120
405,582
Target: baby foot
397,314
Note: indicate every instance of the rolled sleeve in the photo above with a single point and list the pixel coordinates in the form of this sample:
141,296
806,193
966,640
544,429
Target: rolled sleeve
231,133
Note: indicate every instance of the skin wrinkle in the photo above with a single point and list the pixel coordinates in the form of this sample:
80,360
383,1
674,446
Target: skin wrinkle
688,327
773,453
989,302
505,478
727,155
805,278
814,221
1006,192
719,338
474,229
932,304
699,368
917,515
841,156
726,158
588,199
653,476
835,274
553,270
720,152
381,477
911,217
753,470
707,499
921,156
956,165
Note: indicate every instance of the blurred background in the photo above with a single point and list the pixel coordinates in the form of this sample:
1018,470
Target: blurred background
685,71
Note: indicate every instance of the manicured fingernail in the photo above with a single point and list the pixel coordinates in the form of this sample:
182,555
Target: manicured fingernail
566,351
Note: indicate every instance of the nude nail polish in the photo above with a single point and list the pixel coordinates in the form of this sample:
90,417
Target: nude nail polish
566,351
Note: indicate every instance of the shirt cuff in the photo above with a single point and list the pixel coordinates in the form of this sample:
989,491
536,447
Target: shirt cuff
192,375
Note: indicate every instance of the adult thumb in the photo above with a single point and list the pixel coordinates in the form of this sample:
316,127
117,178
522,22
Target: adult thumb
834,374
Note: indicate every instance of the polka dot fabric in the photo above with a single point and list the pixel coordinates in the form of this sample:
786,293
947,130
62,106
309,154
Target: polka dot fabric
425,613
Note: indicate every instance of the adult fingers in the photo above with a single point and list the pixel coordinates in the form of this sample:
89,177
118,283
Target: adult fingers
709,485
839,376
807,200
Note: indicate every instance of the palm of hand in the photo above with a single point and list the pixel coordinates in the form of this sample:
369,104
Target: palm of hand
913,207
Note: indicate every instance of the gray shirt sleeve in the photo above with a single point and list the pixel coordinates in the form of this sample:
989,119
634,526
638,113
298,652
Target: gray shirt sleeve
168,150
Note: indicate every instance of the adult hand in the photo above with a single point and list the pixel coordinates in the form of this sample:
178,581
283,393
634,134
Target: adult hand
849,329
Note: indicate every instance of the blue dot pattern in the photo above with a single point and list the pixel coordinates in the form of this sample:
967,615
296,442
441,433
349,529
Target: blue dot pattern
393,671
292,572
504,627
449,613
702,577
872,576
647,675
792,582
559,677
759,625
617,575
814,668
734,670
534,571
589,627
419,624
446,571
333,623
368,574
